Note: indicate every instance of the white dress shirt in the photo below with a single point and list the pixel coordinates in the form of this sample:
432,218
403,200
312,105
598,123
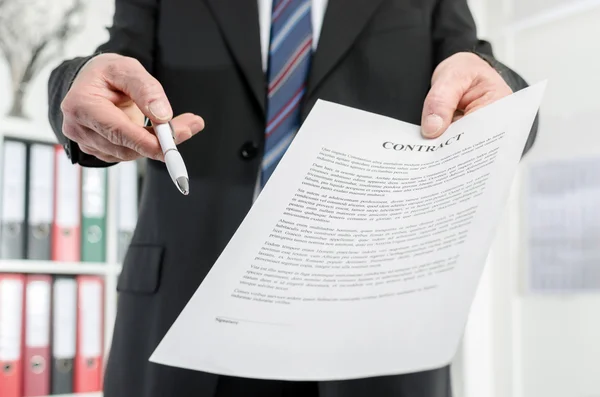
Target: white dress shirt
264,19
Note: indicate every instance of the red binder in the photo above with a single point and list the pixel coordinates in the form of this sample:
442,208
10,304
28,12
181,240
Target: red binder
88,369
66,227
36,354
11,334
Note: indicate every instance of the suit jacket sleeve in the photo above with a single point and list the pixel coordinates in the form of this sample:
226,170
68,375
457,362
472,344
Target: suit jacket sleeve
132,34
454,31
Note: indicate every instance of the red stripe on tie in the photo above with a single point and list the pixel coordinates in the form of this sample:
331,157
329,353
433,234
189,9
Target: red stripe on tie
274,84
284,109
279,9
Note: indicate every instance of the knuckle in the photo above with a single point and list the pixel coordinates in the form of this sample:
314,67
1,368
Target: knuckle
120,68
149,89
74,106
457,75
138,146
183,135
126,154
68,130
437,99
131,63
80,112
114,134
68,104
87,150
120,152
443,98
116,68
104,157
489,97
112,68
72,131
98,126
131,155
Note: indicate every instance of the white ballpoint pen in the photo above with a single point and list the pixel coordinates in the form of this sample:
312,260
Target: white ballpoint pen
173,159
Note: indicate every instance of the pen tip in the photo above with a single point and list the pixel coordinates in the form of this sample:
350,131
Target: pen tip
184,185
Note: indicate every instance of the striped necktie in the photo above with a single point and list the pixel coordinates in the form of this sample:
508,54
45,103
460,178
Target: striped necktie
290,51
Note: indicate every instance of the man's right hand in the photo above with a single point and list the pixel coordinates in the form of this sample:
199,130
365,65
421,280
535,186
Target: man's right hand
104,111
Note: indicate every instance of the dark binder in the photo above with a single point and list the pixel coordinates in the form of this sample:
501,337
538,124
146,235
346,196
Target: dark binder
62,376
64,334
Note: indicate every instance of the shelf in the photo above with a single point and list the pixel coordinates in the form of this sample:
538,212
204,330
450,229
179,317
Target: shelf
50,267
97,394
13,127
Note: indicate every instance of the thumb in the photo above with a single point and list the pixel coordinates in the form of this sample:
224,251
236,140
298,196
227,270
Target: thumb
439,108
130,77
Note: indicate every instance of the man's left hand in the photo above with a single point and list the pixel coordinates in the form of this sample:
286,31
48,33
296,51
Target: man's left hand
460,85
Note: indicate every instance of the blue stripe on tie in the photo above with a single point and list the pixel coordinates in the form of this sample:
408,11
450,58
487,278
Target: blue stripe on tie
295,61
279,149
268,168
295,35
285,112
285,30
285,94
294,81
279,9
284,55
278,134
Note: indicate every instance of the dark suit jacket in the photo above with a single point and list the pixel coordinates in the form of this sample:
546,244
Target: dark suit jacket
376,55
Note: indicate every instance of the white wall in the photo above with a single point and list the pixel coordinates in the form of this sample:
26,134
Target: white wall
560,336
519,344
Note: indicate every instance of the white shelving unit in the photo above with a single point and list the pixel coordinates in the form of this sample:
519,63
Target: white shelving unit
12,128
67,268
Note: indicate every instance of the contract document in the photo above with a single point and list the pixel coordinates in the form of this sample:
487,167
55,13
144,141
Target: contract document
362,254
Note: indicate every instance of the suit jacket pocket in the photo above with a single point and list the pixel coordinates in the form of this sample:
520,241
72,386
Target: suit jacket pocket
141,269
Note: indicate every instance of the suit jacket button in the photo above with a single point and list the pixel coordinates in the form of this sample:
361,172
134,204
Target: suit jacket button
249,150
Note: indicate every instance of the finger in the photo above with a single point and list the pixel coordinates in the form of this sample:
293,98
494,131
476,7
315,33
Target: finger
485,99
441,104
129,76
185,126
478,98
103,117
100,144
459,114
474,93
480,102
96,153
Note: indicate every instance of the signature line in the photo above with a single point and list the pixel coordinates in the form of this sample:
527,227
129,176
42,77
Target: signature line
242,320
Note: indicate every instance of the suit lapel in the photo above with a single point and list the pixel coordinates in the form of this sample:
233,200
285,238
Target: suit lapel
343,22
239,25
238,20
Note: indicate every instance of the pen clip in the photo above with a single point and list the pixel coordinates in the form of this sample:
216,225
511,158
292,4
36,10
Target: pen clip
172,131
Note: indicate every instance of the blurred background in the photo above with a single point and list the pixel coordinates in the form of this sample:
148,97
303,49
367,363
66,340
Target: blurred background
534,328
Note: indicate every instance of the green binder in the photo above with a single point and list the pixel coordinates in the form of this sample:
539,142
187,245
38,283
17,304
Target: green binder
93,210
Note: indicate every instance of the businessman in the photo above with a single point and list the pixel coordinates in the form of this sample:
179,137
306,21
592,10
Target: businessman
246,73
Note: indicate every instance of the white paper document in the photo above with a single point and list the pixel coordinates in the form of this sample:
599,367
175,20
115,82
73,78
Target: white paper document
564,226
362,254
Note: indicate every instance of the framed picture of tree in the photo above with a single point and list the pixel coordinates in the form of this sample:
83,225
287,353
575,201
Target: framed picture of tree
34,33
